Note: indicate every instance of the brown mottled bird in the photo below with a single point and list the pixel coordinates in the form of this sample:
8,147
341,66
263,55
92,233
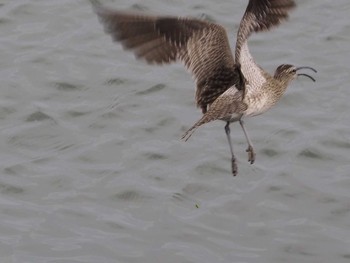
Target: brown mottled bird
227,88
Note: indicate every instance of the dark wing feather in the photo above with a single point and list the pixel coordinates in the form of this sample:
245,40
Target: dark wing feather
261,15
202,46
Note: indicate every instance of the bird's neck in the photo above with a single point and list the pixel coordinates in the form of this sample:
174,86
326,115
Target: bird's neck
260,84
273,90
261,97
278,87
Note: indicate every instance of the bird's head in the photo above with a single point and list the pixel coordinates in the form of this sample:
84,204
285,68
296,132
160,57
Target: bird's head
286,73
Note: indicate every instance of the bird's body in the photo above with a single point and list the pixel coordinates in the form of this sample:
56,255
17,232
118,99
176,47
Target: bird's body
232,106
228,87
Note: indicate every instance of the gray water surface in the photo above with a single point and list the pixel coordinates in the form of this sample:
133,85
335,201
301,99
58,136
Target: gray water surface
92,168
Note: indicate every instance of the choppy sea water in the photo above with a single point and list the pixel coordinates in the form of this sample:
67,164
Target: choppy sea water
92,168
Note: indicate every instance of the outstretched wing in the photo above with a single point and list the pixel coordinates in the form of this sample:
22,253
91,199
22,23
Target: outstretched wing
202,46
223,108
261,15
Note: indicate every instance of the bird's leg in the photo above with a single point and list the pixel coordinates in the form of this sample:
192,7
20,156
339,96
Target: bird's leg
250,150
233,159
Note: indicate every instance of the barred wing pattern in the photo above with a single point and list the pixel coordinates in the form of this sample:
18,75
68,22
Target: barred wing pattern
202,46
261,15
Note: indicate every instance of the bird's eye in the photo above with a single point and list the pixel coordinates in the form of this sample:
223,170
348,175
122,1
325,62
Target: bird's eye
294,70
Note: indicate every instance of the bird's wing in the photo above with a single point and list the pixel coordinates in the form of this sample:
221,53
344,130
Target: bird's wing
202,46
261,15
228,103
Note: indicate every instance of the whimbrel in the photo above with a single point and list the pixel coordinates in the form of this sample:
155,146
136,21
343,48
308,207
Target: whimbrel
228,87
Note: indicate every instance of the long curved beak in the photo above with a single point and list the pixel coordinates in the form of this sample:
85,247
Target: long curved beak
306,75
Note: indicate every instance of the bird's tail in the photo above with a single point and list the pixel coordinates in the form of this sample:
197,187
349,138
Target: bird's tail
189,133
222,109
205,119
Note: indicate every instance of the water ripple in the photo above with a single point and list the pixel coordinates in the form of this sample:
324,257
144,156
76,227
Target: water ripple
10,189
152,89
65,86
38,116
313,154
115,82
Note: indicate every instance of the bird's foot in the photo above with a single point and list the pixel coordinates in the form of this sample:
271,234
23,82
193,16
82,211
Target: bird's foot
251,154
234,166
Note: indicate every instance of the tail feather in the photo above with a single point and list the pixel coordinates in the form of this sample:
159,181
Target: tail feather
189,132
223,107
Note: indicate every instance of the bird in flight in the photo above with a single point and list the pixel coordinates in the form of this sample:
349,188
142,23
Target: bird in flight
229,87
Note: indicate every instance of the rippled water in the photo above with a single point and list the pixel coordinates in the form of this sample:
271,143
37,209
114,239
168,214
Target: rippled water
92,168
